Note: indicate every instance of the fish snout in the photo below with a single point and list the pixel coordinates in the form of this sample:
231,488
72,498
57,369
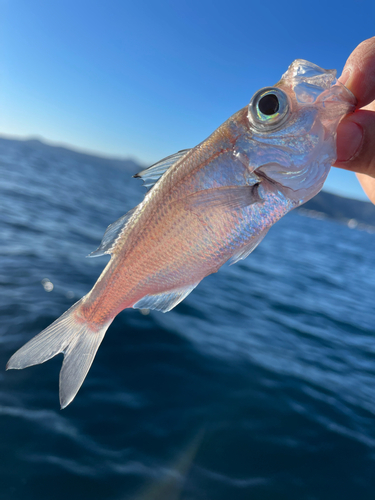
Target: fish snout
335,103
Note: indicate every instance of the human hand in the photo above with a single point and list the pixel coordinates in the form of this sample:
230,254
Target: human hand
356,133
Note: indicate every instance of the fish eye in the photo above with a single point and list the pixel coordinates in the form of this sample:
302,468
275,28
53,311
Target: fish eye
268,108
268,104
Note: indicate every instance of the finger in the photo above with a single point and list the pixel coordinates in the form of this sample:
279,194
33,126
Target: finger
359,72
368,185
356,141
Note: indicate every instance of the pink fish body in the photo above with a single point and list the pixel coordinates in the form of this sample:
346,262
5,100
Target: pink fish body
206,205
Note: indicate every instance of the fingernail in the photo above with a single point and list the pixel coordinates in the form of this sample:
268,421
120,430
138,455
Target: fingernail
345,76
349,140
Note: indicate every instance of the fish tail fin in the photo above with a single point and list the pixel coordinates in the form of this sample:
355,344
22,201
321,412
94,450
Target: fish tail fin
75,338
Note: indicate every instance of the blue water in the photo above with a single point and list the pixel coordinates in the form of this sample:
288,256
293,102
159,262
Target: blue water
260,385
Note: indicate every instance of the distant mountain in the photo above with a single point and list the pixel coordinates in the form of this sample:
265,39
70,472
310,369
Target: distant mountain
324,204
60,152
342,209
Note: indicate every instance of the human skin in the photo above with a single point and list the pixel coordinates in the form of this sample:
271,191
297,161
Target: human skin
356,133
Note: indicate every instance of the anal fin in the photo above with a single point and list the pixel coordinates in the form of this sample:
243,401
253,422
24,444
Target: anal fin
165,301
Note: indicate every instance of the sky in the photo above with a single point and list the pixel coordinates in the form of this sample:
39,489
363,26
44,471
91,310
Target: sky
144,79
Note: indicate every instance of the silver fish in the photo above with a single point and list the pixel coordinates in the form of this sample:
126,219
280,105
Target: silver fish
206,205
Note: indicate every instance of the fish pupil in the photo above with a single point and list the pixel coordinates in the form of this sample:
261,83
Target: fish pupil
269,104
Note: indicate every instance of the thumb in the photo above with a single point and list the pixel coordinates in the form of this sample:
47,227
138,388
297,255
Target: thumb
356,141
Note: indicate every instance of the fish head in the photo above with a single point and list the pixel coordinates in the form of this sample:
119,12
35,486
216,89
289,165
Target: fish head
292,139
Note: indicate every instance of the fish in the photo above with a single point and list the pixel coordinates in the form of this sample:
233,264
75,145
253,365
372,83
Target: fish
205,206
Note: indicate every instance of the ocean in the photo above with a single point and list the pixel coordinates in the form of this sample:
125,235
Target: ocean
259,385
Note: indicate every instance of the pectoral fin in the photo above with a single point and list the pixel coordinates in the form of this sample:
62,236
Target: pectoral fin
230,197
245,251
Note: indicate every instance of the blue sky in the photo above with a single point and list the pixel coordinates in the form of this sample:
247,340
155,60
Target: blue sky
144,79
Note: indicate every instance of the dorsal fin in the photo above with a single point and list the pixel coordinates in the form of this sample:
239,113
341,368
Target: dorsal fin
111,235
152,174
149,176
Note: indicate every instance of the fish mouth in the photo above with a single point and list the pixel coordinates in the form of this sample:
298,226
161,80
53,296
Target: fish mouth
336,102
313,86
